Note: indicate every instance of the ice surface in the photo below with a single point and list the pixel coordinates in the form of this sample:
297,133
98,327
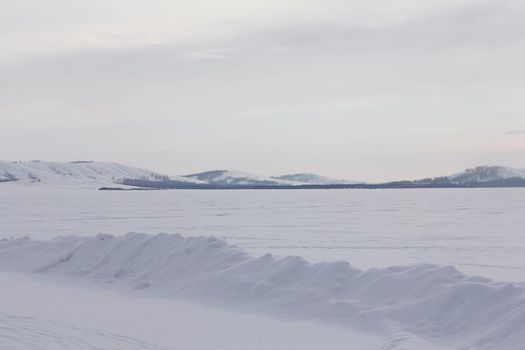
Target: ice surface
479,231
419,307
433,302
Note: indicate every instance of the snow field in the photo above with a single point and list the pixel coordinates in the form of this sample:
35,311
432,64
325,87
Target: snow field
29,333
431,302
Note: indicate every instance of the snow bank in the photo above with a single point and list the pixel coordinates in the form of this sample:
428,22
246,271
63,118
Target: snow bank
435,302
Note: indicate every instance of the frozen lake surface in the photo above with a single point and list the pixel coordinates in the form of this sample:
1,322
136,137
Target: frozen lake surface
479,231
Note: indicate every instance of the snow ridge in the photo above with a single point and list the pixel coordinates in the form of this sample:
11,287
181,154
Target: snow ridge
435,302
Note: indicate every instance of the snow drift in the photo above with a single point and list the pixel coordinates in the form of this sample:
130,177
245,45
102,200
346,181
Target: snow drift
434,302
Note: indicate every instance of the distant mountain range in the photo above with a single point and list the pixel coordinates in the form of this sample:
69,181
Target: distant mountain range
91,173
112,175
481,176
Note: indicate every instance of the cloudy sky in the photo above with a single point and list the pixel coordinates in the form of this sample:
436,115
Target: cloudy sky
366,90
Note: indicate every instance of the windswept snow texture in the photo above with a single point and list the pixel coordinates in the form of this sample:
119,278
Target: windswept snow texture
76,173
29,333
313,179
432,302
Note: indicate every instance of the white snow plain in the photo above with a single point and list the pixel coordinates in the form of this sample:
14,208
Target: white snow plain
479,231
50,313
151,291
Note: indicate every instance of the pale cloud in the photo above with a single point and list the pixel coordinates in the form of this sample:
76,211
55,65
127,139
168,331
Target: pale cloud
29,27
164,153
515,132
231,82
210,54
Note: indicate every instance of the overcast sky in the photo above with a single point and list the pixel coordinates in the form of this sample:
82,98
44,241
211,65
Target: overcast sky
366,90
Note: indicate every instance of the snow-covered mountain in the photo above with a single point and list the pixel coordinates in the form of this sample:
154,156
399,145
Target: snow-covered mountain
482,175
486,174
90,174
108,174
229,177
77,173
313,179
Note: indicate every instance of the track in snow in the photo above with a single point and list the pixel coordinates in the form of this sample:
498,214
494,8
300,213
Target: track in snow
28,333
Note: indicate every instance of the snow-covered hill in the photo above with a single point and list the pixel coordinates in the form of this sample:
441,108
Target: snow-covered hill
313,179
487,174
229,177
108,174
76,173
89,173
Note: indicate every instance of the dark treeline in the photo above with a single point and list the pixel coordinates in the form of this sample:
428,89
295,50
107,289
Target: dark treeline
8,177
171,184
425,183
